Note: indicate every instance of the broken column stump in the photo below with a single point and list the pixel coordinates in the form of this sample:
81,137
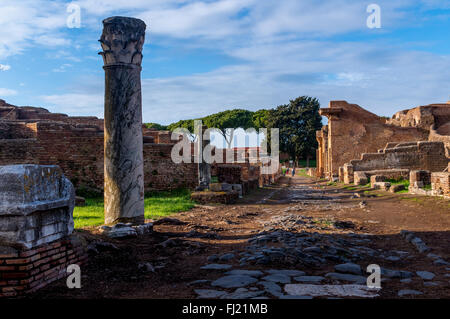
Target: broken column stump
122,41
36,225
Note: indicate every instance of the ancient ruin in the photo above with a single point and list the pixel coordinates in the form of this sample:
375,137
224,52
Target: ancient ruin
122,42
357,144
36,225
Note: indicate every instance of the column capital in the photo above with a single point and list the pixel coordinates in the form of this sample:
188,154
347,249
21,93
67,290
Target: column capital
122,41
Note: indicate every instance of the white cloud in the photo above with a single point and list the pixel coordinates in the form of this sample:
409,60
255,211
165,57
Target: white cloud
5,67
76,104
283,47
30,22
7,92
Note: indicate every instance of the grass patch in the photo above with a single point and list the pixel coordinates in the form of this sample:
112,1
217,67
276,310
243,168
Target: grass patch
301,172
157,205
398,182
414,199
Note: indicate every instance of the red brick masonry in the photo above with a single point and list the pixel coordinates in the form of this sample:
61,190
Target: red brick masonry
25,271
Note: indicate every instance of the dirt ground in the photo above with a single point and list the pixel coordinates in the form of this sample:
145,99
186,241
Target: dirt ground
299,208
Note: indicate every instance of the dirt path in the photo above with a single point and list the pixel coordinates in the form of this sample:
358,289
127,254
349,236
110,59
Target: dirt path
299,224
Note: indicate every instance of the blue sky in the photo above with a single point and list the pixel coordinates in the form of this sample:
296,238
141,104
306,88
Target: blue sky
202,57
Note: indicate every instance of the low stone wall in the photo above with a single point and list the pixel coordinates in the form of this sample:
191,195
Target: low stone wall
228,173
440,183
436,137
36,223
399,156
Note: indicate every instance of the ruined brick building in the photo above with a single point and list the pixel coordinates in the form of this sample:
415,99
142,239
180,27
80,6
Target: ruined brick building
357,144
32,135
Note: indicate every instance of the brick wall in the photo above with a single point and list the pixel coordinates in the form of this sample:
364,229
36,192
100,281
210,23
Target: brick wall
25,271
78,150
352,131
414,156
440,183
161,173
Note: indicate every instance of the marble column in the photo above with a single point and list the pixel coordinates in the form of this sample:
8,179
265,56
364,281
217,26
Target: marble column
204,168
122,41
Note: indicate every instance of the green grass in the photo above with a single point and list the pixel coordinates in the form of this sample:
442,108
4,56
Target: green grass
398,182
301,172
157,205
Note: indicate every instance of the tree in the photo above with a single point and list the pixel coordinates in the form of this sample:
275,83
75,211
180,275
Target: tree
187,124
227,121
298,122
157,126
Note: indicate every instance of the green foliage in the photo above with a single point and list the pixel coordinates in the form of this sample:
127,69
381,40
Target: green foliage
225,122
298,122
187,124
260,119
157,126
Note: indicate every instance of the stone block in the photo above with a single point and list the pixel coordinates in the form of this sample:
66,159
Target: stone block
215,197
381,185
419,178
440,183
227,187
377,178
348,174
36,205
396,188
360,178
237,188
215,187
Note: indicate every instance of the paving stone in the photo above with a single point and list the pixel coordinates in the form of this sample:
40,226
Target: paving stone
287,272
349,268
271,288
234,281
440,262
284,279
295,297
425,275
209,293
431,283
198,282
252,273
434,256
212,258
406,281
216,267
330,290
226,257
242,293
309,279
408,292
347,277
396,273
393,258
121,231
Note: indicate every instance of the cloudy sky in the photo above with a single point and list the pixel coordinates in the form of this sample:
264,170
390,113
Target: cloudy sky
206,56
